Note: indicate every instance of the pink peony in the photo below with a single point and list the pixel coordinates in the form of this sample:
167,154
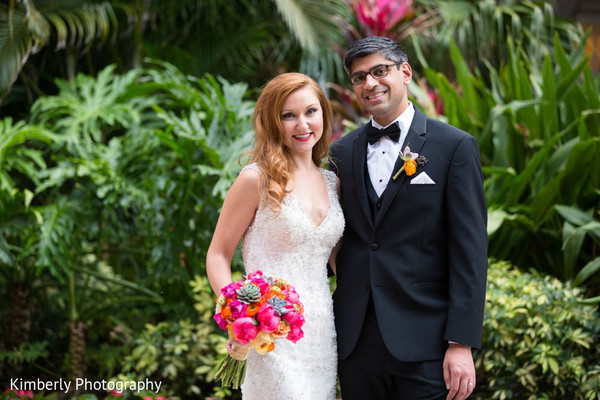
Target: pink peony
267,318
294,318
220,321
262,285
238,309
229,290
293,297
295,334
244,330
254,275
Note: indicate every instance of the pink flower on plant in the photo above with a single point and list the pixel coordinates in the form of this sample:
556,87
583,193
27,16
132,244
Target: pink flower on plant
267,318
244,330
116,393
20,393
378,17
437,101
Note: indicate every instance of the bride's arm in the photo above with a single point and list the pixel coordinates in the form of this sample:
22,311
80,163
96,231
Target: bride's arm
237,214
333,255
336,248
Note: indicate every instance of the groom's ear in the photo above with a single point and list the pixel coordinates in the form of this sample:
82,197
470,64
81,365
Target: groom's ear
406,70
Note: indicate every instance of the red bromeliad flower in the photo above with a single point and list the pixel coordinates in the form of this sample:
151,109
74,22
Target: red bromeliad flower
378,17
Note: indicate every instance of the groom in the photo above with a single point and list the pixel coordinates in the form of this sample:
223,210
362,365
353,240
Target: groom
411,272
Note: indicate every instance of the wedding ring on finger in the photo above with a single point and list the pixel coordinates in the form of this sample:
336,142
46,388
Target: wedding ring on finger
470,383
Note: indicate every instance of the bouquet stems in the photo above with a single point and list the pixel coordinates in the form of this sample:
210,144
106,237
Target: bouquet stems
231,372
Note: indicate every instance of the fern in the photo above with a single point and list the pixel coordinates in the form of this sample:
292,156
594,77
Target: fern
26,353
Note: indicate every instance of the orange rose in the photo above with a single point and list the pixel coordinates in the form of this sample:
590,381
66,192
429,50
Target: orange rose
410,167
282,330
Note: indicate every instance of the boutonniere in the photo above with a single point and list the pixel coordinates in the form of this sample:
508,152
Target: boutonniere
411,162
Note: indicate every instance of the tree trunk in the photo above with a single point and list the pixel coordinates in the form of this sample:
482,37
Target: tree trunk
20,314
77,367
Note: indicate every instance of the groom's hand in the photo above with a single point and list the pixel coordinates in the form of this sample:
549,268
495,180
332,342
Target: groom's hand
459,372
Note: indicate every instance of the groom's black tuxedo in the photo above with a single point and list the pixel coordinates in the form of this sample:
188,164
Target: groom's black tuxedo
423,257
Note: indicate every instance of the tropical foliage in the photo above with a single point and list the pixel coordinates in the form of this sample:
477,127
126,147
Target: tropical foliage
480,28
541,339
538,131
118,207
252,41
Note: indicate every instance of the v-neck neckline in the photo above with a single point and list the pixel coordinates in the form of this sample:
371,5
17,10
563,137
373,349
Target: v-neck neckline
297,200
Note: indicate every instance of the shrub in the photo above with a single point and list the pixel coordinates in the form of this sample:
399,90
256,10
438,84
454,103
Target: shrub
183,355
540,339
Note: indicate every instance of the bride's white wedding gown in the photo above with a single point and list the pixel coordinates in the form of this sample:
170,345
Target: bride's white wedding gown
291,247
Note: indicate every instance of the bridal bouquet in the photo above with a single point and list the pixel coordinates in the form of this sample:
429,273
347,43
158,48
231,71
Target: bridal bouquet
255,312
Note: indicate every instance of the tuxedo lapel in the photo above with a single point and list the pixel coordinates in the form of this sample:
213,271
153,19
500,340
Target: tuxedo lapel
415,140
359,157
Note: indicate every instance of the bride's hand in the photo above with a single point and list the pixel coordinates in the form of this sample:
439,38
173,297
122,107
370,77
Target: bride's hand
237,350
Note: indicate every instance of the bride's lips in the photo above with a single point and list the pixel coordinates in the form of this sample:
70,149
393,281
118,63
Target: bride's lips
304,137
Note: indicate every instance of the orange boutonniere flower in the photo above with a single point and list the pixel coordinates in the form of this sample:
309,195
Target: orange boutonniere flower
411,162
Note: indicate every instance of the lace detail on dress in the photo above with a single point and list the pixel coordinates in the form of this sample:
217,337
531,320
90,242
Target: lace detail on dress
291,247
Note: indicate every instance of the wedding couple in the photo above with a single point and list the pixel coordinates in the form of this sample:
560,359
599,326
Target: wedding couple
400,218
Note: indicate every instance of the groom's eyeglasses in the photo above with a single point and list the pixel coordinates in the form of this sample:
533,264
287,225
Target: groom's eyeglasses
377,72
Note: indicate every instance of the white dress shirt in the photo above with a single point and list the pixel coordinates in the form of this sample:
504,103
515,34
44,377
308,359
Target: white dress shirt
382,155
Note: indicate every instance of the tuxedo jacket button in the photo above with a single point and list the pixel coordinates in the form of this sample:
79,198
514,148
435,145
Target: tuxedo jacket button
374,246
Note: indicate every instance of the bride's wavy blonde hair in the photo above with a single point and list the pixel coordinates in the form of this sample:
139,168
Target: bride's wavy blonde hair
269,152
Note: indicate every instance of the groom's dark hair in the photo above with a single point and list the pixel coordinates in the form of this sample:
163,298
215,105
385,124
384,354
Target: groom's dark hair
375,44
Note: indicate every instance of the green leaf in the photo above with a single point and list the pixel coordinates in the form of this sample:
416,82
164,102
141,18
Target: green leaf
587,271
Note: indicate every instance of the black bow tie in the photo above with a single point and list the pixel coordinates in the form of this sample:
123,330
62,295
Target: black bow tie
374,134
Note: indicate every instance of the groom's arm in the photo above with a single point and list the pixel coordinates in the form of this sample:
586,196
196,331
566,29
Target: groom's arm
467,239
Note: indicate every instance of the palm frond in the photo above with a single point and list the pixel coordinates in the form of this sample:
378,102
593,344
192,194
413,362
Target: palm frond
15,44
314,23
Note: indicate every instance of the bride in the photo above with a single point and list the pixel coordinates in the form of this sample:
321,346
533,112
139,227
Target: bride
285,209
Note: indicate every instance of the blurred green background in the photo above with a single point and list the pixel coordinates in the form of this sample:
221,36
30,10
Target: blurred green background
121,125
